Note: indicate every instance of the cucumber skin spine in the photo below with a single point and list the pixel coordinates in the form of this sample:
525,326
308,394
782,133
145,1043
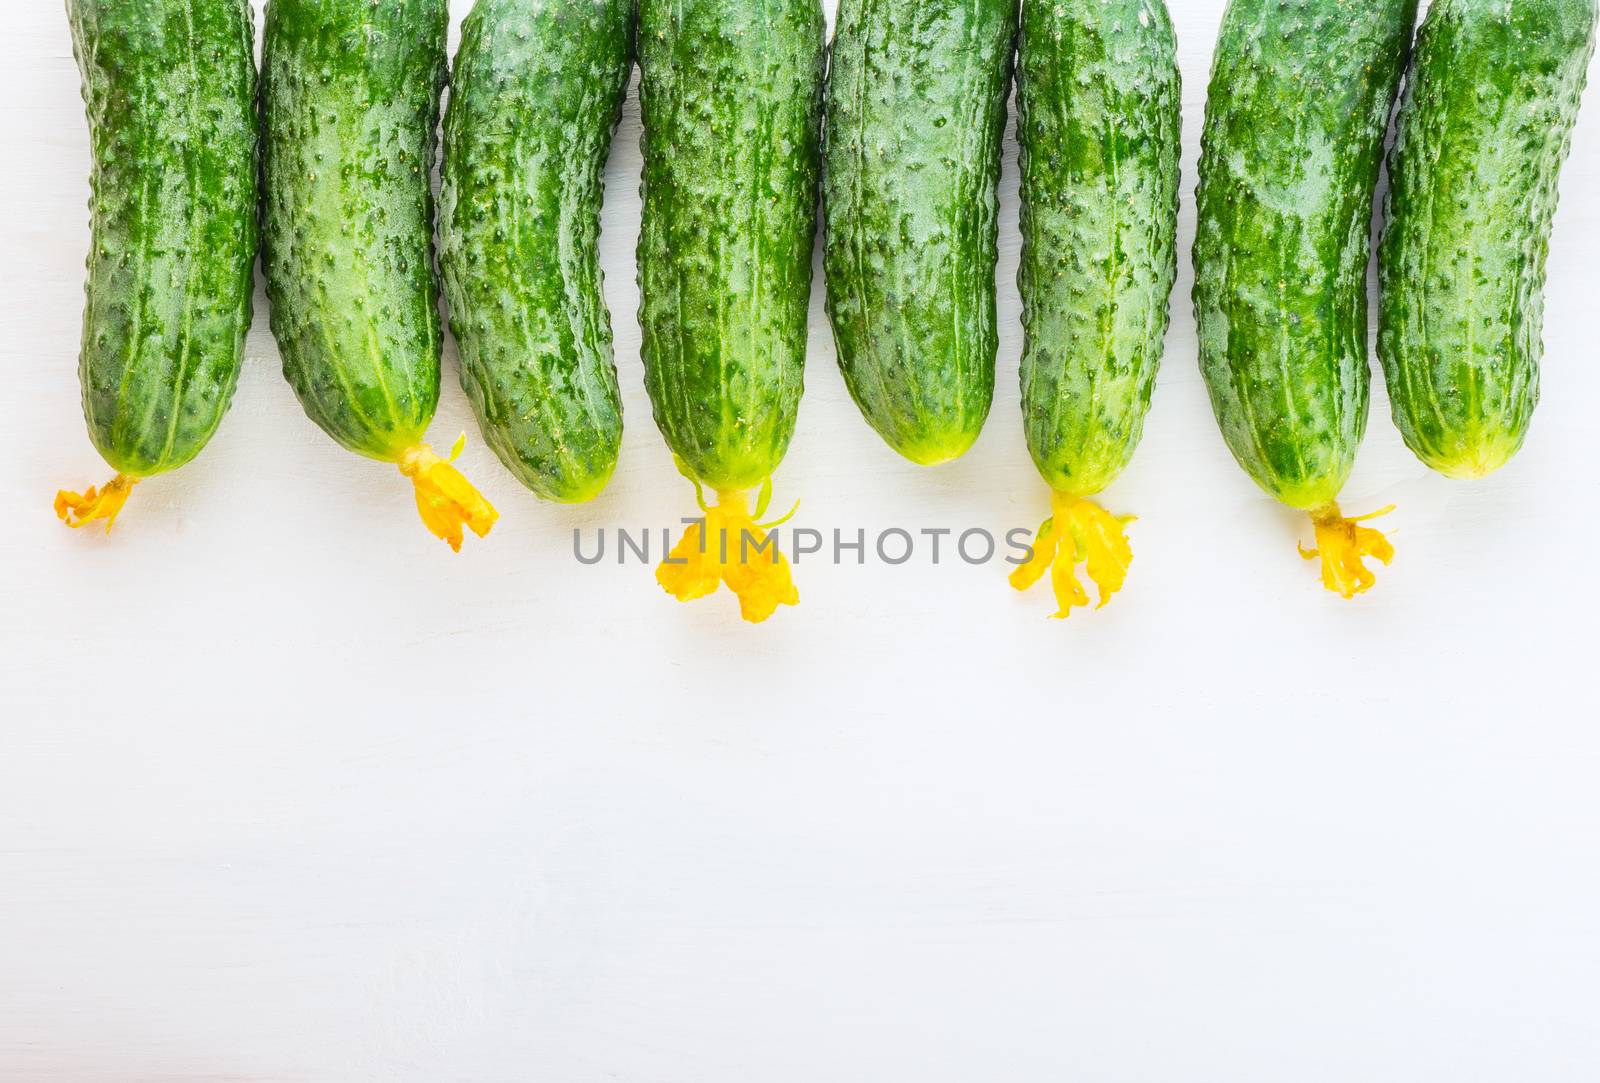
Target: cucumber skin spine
537,94
729,221
1284,226
916,110
171,267
350,108
1099,119
1484,128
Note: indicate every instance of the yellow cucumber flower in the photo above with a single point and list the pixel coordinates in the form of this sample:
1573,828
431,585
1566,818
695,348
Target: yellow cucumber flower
1342,544
1078,532
81,509
446,500
729,546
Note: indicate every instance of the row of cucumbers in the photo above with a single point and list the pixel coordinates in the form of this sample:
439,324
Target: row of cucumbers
746,122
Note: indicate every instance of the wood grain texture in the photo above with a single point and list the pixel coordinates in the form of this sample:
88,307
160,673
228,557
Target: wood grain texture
910,830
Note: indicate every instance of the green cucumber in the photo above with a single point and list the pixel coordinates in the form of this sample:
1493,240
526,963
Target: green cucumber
1098,123
536,96
1483,131
916,108
1300,97
731,98
350,103
350,110
169,89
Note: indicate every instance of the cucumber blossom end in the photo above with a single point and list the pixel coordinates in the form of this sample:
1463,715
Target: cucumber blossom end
446,500
1343,545
94,504
731,546
1079,532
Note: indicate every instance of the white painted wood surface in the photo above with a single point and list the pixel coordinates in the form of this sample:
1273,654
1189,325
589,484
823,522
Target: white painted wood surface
289,792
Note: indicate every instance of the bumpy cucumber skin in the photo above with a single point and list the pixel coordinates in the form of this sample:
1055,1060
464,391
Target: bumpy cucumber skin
916,109
1484,128
1099,123
537,93
731,97
169,87
350,107
1300,96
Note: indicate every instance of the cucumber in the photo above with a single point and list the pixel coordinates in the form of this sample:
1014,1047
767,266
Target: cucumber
537,94
350,107
1098,123
1484,128
916,108
1301,92
731,98
169,89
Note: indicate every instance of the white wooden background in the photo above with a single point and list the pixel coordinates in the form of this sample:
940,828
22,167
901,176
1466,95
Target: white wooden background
289,792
